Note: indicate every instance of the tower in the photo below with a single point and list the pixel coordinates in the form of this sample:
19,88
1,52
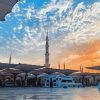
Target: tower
81,68
59,66
10,59
47,65
64,66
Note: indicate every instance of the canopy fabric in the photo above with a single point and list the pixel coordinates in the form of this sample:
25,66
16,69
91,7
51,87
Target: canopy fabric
12,70
30,75
4,73
42,75
6,7
94,68
58,74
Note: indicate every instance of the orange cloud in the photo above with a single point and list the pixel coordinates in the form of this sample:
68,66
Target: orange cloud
87,54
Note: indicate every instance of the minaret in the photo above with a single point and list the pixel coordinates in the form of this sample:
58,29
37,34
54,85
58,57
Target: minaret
47,65
81,68
10,59
64,66
59,66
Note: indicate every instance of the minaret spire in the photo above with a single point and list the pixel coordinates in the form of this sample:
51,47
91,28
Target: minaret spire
47,52
81,68
64,66
59,66
10,58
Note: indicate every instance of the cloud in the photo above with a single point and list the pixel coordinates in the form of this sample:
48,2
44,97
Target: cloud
70,29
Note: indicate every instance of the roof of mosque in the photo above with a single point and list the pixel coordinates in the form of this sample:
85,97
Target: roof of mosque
35,69
12,70
83,73
27,67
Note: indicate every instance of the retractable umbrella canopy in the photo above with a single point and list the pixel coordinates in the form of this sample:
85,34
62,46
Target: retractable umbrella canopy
6,7
94,68
42,75
12,70
58,74
3,73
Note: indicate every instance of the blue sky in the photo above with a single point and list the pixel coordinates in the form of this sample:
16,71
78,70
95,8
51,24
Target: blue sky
23,32
11,21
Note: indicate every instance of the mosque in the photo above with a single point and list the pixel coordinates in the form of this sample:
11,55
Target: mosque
44,76
22,75
25,74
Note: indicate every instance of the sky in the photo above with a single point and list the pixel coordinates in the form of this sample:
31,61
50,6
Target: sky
73,26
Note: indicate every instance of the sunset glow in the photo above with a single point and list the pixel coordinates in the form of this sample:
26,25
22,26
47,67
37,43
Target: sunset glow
74,33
